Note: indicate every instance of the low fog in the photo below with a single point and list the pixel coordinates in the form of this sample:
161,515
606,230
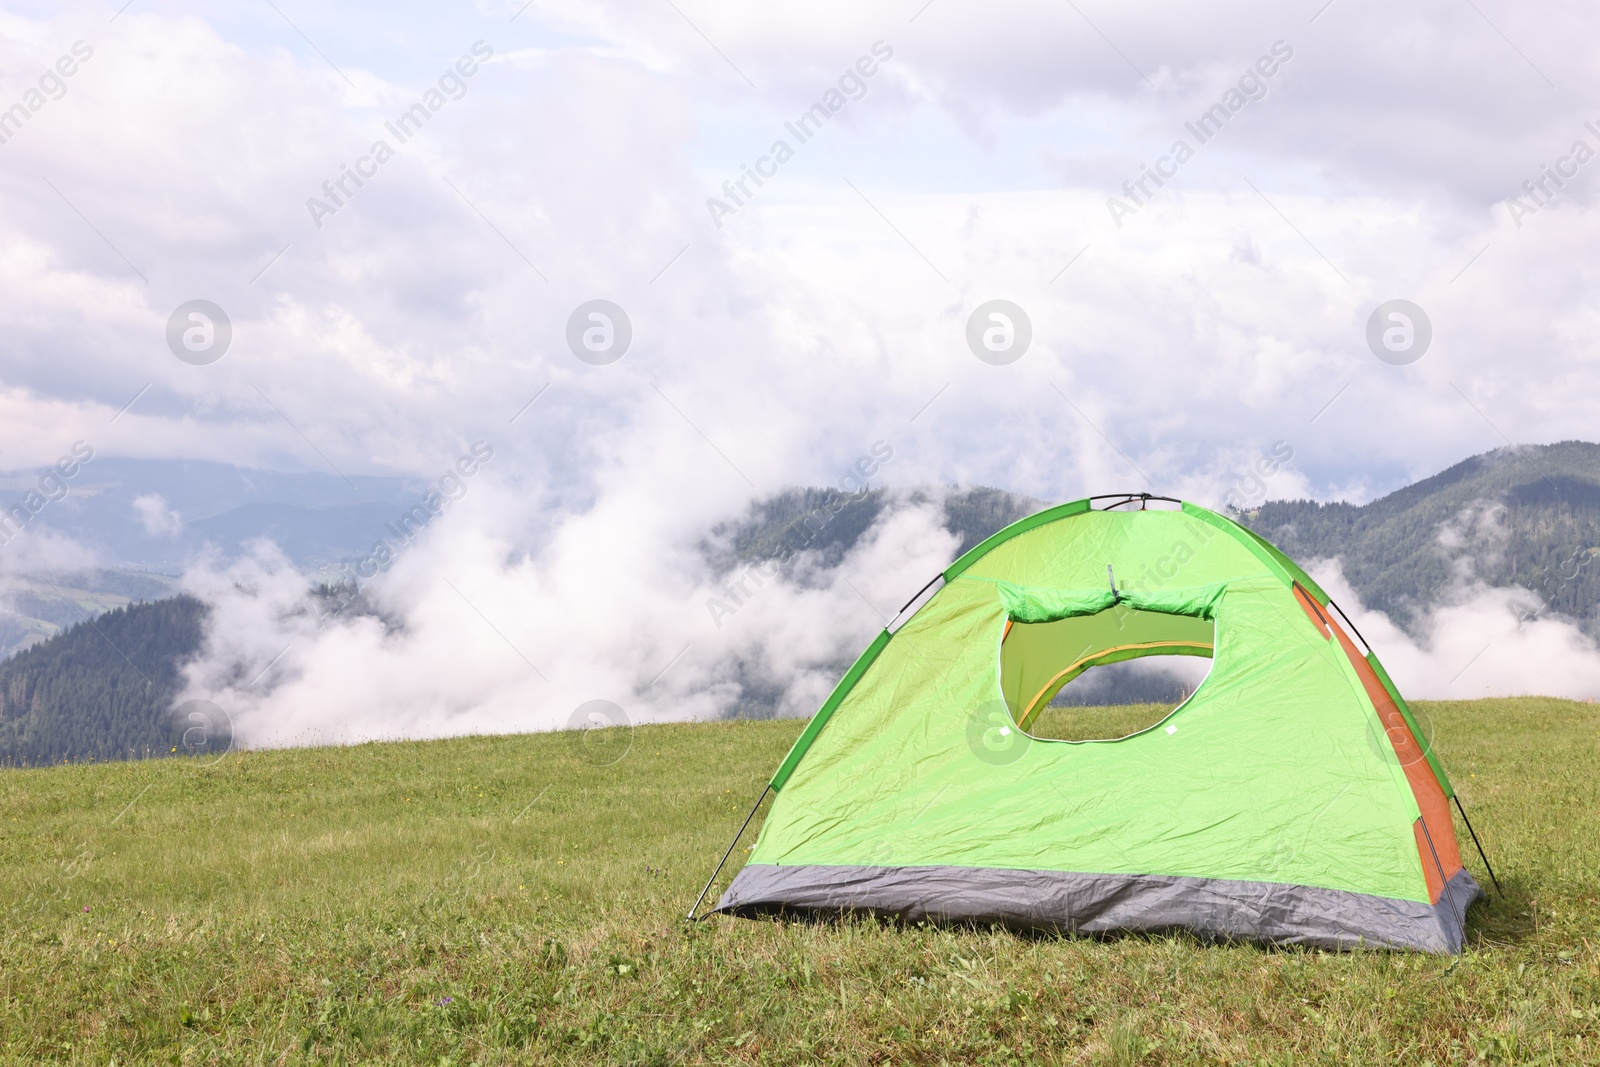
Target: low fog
471,630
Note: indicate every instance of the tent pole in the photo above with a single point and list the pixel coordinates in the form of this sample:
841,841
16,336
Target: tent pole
1478,843
913,599
918,593
1348,623
1444,883
725,855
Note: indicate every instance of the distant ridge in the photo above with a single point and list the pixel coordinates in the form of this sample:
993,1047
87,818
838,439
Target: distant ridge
829,523
1526,517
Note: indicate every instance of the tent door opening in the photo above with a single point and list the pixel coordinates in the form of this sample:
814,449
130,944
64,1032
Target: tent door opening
1133,650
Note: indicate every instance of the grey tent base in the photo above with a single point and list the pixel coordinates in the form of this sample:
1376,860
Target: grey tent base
1212,908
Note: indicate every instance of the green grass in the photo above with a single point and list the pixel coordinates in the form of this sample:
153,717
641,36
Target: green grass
510,900
1095,722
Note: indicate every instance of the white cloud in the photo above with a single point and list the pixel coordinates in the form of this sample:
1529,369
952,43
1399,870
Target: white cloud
1225,316
37,551
155,516
1203,330
480,634
1480,642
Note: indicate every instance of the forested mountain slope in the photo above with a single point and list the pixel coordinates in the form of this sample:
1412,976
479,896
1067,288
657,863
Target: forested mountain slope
100,689
1527,516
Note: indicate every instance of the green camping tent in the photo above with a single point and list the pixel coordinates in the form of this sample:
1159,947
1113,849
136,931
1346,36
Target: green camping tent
1291,798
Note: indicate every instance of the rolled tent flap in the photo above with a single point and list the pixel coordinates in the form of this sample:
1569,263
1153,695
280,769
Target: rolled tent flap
1198,601
1027,603
1032,604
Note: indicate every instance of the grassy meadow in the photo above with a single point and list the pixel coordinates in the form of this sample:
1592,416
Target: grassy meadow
521,900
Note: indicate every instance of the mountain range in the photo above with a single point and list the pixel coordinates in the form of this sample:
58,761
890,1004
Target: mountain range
143,519
1524,518
153,514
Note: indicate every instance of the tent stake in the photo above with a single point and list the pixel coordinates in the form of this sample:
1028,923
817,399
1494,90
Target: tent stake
1475,841
731,845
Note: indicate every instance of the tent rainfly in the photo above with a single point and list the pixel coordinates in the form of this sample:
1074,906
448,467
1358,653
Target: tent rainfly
1291,798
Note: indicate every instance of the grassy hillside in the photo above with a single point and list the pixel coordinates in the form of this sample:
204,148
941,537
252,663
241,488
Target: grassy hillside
520,900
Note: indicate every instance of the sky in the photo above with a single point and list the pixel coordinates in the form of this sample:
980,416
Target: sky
559,154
